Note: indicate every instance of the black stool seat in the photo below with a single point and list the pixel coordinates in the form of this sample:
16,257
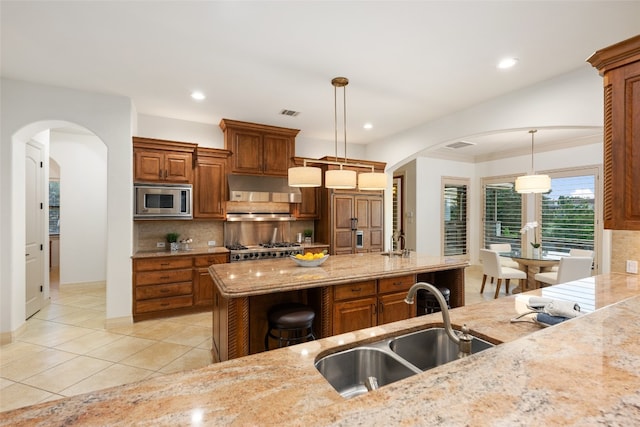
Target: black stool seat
293,322
428,303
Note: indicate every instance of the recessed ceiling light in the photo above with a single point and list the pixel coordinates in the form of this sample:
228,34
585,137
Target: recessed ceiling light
198,96
368,126
507,63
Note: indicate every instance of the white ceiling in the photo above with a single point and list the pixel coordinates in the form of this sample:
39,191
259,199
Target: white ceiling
408,62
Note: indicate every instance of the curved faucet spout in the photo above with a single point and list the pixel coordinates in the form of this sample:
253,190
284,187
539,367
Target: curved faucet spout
464,340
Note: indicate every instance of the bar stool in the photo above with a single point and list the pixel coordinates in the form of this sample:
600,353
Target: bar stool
293,323
429,303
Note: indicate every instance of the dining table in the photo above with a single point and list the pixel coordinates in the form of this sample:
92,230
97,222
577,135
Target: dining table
531,262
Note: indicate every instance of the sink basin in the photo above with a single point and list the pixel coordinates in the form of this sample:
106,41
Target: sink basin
390,360
347,371
431,347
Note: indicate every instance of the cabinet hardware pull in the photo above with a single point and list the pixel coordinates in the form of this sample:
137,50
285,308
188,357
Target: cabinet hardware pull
381,307
356,289
164,263
164,304
164,290
374,308
397,283
164,277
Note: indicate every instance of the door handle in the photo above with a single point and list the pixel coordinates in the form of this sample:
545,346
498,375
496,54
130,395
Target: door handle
27,254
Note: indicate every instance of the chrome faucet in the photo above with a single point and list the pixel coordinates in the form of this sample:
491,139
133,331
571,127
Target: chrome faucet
463,341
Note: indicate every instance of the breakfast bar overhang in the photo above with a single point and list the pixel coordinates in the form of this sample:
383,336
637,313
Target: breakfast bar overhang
244,292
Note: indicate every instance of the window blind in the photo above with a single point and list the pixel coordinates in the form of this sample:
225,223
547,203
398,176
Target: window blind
455,219
502,214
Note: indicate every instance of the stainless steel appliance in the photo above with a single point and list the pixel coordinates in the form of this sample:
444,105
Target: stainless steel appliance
162,201
263,251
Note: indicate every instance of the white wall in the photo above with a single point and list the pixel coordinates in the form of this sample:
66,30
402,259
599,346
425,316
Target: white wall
83,206
25,110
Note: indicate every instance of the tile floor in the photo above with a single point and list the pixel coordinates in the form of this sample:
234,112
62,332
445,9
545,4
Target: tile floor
65,349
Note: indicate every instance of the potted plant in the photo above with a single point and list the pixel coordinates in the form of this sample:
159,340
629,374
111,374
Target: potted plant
307,235
172,238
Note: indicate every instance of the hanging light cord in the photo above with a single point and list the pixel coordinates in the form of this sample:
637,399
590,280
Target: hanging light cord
532,131
344,110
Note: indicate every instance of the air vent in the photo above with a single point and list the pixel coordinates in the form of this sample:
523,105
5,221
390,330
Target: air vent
459,144
289,113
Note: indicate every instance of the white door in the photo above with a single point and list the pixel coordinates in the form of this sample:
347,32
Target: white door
34,220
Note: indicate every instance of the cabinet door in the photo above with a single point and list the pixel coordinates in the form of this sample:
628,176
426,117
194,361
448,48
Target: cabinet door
149,165
247,152
353,315
376,224
178,167
342,233
202,288
310,206
209,191
277,154
621,142
391,308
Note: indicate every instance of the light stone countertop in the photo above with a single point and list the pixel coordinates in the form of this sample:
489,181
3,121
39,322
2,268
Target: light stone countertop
247,278
585,371
188,252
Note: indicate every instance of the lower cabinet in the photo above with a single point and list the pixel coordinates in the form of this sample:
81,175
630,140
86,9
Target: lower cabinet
168,286
370,303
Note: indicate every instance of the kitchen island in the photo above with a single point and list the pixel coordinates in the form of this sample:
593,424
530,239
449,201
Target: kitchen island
585,371
347,292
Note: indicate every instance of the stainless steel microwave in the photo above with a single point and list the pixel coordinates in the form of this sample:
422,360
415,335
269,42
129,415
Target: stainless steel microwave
162,201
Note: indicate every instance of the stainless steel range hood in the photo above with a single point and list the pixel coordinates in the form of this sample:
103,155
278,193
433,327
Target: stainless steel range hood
250,188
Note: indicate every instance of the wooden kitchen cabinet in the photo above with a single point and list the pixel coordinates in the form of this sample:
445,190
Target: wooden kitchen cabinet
258,149
341,210
366,304
210,184
161,285
202,282
158,160
172,285
619,65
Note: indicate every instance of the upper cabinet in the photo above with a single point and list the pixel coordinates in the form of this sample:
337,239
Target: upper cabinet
157,160
258,149
210,186
620,67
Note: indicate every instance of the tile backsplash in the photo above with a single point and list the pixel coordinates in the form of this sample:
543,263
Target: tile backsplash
148,233
625,245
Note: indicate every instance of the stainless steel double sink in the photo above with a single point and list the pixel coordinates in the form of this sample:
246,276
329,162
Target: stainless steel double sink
390,360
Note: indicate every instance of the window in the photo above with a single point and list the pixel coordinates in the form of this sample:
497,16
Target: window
54,207
568,212
455,209
503,212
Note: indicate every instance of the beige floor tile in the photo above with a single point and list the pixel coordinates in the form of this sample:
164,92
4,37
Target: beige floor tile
54,334
86,343
79,317
52,311
113,376
20,369
18,350
97,323
120,349
66,374
207,345
198,319
159,330
189,335
196,358
19,395
156,356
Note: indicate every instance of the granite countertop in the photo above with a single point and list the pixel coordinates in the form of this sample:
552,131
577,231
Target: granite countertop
188,252
242,279
585,371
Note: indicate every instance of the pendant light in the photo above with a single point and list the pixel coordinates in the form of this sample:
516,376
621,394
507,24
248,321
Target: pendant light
341,178
533,183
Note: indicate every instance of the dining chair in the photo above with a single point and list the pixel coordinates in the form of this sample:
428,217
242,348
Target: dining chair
576,252
570,268
504,260
491,267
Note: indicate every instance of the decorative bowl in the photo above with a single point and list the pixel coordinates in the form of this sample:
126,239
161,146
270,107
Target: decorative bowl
309,263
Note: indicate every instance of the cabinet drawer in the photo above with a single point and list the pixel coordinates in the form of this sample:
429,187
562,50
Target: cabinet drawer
163,263
160,304
207,260
159,277
394,284
161,291
354,290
